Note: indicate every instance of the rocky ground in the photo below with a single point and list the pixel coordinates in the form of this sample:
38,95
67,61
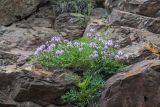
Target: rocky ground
26,25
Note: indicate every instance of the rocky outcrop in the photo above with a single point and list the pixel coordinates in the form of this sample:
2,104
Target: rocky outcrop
131,41
134,24
30,89
150,8
137,88
70,25
18,41
121,18
11,11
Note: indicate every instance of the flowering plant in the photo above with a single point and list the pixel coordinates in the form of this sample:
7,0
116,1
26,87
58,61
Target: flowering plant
96,54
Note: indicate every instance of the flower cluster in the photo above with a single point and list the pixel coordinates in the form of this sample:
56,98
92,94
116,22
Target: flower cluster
100,47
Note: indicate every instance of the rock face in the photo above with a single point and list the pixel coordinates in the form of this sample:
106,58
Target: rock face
28,88
131,41
150,8
18,41
11,11
137,88
134,24
121,18
70,25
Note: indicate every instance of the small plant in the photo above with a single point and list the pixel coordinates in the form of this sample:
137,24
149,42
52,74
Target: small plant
72,6
88,89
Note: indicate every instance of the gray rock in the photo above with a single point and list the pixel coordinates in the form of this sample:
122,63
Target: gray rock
70,25
11,11
148,8
121,18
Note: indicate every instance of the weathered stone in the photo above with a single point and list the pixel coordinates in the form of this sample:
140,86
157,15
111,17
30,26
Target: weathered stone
99,12
70,25
11,11
121,18
132,42
137,88
44,17
25,38
148,8
25,87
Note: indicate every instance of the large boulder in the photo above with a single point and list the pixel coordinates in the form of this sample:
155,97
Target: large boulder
137,88
150,8
14,10
27,87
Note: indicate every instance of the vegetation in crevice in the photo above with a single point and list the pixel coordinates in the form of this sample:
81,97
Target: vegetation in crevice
93,57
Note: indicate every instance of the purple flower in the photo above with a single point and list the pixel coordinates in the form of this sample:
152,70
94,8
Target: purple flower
117,57
39,50
93,45
116,46
94,55
126,56
89,35
50,48
56,39
112,55
105,34
106,48
59,52
92,30
97,34
66,41
120,53
110,43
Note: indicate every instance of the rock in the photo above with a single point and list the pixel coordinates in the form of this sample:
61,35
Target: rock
22,42
137,88
121,18
44,17
27,89
70,25
132,42
25,38
11,11
28,104
148,8
19,40
99,12
97,27
8,105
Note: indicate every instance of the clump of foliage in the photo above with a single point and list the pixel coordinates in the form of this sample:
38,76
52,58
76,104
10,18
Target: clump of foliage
84,54
95,57
88,89
73,6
